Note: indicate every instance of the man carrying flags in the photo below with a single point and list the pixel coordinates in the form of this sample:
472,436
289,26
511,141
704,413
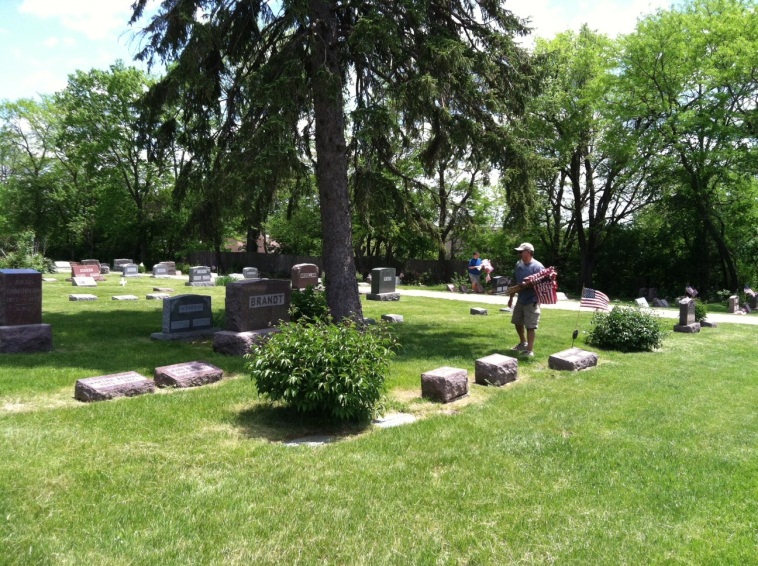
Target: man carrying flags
526,313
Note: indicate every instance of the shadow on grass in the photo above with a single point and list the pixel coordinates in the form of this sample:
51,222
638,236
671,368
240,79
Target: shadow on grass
278,423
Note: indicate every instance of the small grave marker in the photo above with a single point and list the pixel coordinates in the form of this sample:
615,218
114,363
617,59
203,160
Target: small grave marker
83,282
100,388
573,359
444,384
495,369
188,374
82,297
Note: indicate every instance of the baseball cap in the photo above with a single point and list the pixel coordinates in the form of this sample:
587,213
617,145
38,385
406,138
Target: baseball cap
525,246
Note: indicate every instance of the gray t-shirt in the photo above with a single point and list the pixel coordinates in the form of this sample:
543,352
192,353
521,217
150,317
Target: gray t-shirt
524,270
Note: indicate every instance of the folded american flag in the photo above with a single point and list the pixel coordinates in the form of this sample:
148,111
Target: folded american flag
594,299
545,285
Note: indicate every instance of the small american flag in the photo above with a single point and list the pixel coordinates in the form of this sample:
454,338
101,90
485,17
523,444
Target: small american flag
545,285
594,299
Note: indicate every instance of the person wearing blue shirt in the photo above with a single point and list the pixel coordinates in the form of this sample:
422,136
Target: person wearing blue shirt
475,273
526,313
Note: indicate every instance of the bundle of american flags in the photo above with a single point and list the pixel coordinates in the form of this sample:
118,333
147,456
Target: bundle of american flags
545,285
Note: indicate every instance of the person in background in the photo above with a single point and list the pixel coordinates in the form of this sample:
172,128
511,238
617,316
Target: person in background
475,273
526,313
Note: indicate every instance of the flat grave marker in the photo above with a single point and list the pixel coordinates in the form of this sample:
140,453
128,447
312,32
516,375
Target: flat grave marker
187,374
103,387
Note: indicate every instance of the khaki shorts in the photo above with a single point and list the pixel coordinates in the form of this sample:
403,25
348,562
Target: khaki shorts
527,315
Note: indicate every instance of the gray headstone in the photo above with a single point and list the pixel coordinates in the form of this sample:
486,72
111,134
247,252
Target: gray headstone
187,313
20,297
170,267
118,264
393,420
160,270
100,388
444,384
495,369
573,359
477,310
124,298
652,293
250,273
91,262
82,297
392,317
253,304
26,339
304,275
188,374
734,304
130,270
105,269
382,280
157,296
62,267
200,276
686,311
642,303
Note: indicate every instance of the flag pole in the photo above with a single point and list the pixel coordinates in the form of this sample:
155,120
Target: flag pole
576,328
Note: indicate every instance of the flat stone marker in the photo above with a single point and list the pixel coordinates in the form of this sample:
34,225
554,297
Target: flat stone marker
478,311
188,374
495,369
163,290
313,440
394,419
444,384
125,298
506,309
708,324
62,267
82,297
83,282
392,317
100,388
49,279
232,343
157,296
573,359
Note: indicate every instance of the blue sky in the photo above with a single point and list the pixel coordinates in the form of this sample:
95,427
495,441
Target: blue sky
43,41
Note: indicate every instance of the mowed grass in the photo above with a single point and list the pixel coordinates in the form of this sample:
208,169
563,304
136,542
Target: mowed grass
648,458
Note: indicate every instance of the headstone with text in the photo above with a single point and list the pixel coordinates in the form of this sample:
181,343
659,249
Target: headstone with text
187,374
186,317
200,276
170,267
687,322
734,305
103,387
82,270
383,285
253,309
21,327
304,275
118,264
160,270
250,273
83,282
130,270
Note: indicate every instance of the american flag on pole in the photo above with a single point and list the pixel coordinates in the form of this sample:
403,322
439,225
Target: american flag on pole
545,285
594,299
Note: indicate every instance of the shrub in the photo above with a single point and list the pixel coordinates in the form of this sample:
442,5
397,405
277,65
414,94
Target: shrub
627,330
23,254
224,280
459,281
701,311
310,305
333,369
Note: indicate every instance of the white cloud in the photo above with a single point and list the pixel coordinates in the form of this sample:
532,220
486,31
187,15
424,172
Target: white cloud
96,19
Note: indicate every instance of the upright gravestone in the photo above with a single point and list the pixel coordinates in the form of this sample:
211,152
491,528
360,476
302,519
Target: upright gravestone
250,273
91,262
118,264
160,270
62,267
383,285
200,276
253,308
170,267
21,328
92,270
186,317
130,270
734,305
642,303
500,284
304,275
687,322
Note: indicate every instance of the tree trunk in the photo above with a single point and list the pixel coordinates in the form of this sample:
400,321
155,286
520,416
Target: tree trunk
331,165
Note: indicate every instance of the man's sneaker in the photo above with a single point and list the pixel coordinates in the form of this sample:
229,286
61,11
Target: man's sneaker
521,347
527,354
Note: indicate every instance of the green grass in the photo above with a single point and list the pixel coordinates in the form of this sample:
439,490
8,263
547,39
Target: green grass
647,458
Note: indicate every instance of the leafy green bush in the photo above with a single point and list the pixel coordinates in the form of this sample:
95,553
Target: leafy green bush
459,281
22,253
701,311
333,369
224,280
310,305
627,330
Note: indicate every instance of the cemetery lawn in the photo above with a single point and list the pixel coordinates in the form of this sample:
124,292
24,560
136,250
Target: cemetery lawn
649,458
